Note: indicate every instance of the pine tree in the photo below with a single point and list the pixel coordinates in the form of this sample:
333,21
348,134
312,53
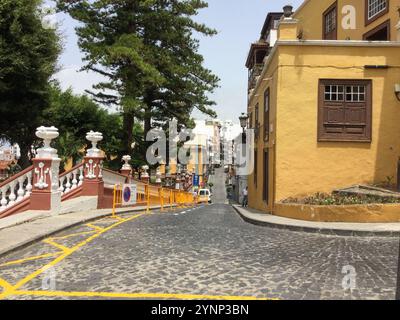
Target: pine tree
28,56
147,51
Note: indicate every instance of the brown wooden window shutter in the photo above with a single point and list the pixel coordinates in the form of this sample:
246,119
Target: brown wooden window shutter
266,114
330,23
345,110
257,122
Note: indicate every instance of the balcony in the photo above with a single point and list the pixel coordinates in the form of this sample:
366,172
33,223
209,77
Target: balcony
254,73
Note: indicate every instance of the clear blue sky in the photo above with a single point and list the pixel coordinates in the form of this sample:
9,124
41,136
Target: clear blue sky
238,22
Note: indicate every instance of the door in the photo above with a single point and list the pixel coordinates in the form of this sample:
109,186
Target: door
266,177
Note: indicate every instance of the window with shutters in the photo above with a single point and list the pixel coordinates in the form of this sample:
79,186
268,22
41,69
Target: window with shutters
266,114
345,110
330,23
256,121
375,9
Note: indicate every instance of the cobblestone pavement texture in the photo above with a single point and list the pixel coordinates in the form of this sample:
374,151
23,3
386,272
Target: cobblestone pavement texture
210,250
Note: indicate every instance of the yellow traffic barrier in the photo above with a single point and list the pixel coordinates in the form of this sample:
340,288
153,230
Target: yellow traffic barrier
147,194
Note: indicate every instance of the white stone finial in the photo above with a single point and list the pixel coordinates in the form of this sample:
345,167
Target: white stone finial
47,134
126,165
158,175
94,138
145,174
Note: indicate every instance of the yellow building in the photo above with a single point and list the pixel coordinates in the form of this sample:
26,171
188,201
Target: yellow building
322,99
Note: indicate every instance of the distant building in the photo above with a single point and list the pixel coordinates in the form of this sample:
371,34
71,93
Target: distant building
9,156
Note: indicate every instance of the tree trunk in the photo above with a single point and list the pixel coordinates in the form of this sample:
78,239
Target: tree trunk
147,124
127,138
24,161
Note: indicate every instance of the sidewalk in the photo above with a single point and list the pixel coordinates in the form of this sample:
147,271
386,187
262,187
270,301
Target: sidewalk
329,228
23,229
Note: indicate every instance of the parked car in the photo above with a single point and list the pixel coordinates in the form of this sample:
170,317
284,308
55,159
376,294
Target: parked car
204,195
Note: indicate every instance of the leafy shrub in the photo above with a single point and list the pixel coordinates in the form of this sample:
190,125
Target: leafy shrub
324,199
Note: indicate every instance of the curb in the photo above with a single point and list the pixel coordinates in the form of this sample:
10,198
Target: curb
38,238
323,231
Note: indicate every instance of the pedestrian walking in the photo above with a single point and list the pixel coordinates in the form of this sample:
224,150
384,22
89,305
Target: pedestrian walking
245,194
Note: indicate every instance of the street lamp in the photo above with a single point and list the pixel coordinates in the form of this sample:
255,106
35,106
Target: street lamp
243,121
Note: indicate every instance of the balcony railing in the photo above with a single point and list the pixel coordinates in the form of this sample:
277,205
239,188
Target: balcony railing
254,73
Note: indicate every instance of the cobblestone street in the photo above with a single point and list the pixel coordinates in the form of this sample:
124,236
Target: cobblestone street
211,251
207,251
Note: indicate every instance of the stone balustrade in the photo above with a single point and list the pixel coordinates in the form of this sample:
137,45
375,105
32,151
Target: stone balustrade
71,179
41,187
16,189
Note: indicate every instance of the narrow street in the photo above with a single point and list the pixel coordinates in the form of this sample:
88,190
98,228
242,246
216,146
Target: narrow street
219,190
203,252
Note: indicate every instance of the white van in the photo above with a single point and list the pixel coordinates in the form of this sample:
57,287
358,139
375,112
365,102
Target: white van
204,195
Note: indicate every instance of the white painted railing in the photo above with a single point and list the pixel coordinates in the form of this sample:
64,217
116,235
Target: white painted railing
71,179
16,189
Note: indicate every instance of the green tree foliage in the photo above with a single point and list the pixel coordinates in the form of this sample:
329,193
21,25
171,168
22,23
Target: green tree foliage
148,54
74,116
28,56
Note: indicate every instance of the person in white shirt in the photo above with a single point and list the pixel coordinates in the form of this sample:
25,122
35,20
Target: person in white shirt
245,194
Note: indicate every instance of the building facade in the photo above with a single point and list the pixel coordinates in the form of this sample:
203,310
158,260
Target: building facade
9,156
324,99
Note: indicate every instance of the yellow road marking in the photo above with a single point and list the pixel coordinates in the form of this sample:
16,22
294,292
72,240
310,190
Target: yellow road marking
6,286
134,295
118,218
64,255
95,227
47,255
72,235
57,245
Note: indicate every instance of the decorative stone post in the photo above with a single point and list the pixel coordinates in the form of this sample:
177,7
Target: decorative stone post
126,169
178,177
45,194
93,184
136,174
288,26
168,177
158,177
145,175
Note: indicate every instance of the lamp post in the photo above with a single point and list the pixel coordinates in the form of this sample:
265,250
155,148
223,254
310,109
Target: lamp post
243,121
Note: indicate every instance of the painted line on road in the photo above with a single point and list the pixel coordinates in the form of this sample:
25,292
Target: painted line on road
6,287
47,255
13,289
135,295
72,235
57,245
90,225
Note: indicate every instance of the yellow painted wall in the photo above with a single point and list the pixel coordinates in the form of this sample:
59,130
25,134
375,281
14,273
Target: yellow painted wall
299,164
310,17
305,166
256,192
